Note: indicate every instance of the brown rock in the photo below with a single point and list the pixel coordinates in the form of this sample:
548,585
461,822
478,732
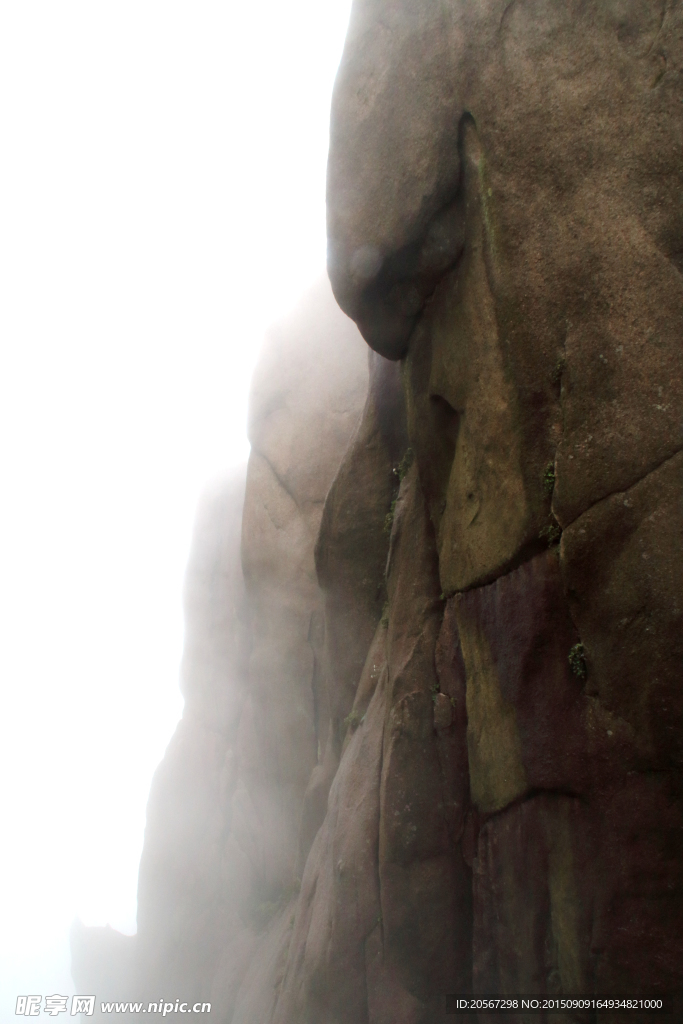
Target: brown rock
307,398
384,920
464,412
520,251
532,899
352,546
394,86
526,709
553,768
351,553
622,562
339,904
575,115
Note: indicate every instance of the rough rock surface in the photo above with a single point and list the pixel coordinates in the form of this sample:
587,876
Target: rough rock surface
461,723
520,254
377,933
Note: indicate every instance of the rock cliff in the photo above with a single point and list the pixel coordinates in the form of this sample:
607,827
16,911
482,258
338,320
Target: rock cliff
442,748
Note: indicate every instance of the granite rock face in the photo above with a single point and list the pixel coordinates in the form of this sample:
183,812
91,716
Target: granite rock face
520,255
448,735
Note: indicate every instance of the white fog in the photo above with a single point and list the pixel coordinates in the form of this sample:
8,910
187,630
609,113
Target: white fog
161,202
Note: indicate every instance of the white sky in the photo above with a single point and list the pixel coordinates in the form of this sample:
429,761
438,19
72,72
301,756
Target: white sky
161,201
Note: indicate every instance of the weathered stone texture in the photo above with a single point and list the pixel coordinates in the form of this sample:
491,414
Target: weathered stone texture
519,252
381,930
351,553
463,721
